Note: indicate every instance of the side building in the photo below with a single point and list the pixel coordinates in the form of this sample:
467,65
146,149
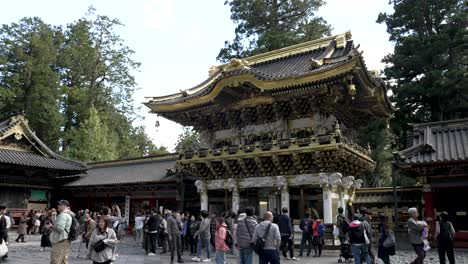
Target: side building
277,129
30,172
135,185
437,157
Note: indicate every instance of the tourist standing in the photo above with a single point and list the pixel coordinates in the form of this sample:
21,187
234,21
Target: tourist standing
357,238
193,226
204,235
59,234
342,224
220,243
3,230
102,244
213,229
22,228
306,227
286,231
244,236
163,235
30,221
386,240
445,233
367,223
90,225
174,228
415,230
153,225
45,237
139,220
272,239
317,240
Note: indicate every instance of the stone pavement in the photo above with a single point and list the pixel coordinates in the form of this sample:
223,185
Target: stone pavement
129,253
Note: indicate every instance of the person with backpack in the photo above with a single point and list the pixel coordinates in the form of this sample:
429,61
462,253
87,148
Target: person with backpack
306,227
286,231
102,244
342,223
152,225
267,240
386,240
366,221
318,230
220,243
445,233
245,228
357,238
61,233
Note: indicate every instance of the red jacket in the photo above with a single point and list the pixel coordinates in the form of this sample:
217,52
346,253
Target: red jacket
220,242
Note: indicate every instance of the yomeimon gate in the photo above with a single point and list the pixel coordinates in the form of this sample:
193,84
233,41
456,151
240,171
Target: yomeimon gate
277,128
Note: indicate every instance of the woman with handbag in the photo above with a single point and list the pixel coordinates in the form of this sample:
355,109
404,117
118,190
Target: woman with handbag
102,244
386,240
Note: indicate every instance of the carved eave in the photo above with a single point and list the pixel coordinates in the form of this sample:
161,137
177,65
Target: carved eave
321,153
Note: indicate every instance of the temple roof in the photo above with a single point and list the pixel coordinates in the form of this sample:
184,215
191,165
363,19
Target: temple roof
275,72
20,146
437,142
145,170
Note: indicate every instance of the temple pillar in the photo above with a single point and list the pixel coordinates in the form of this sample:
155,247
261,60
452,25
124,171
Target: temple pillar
327,206
429,211
203,191
235,200
284,197
342,201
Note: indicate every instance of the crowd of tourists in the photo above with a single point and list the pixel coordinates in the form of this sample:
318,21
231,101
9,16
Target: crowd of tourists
203,235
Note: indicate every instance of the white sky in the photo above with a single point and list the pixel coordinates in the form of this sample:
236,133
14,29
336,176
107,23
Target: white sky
177,41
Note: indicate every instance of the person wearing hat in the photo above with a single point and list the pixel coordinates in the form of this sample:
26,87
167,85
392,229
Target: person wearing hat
59,234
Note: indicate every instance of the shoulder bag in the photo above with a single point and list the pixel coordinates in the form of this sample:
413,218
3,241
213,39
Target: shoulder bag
260,242
100,245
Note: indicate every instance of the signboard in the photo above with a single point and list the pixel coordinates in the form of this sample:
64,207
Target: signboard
127,209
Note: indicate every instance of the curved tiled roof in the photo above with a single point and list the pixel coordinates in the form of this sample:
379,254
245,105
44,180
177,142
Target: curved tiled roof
29,159
131,171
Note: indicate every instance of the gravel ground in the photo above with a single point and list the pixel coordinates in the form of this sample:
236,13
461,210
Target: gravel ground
29,253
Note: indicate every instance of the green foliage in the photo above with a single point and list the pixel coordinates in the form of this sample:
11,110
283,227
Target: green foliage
378,137
92,140
28,82
268,25
429,64
61,77
188,139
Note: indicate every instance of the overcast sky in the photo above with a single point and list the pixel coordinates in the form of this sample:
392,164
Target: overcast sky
177,41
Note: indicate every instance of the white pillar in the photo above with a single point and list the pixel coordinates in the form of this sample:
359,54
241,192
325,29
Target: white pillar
204,200
343,201
284,198
327,206
235,200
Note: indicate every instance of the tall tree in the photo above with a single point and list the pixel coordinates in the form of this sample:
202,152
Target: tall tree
28,82
428,67
265,25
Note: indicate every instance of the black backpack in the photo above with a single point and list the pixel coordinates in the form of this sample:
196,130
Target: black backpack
74,229
345,225
228,240
260,242
445,232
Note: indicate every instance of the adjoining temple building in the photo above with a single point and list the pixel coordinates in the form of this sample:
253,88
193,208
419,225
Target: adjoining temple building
29,170
277,128
437,156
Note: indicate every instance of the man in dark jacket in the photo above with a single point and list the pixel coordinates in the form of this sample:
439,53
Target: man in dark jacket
245,229
342,224
153,224
174,228
358,241
286,232
306,227
3,229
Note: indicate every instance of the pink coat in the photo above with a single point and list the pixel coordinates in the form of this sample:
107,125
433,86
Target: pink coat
220,243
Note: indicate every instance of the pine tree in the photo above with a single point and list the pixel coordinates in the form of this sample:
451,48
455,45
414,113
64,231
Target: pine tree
427,69
268,25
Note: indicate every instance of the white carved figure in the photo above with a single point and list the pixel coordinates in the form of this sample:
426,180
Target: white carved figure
347,182
323,179
215,185
201,186
357,183
231,184
281,182
335,179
